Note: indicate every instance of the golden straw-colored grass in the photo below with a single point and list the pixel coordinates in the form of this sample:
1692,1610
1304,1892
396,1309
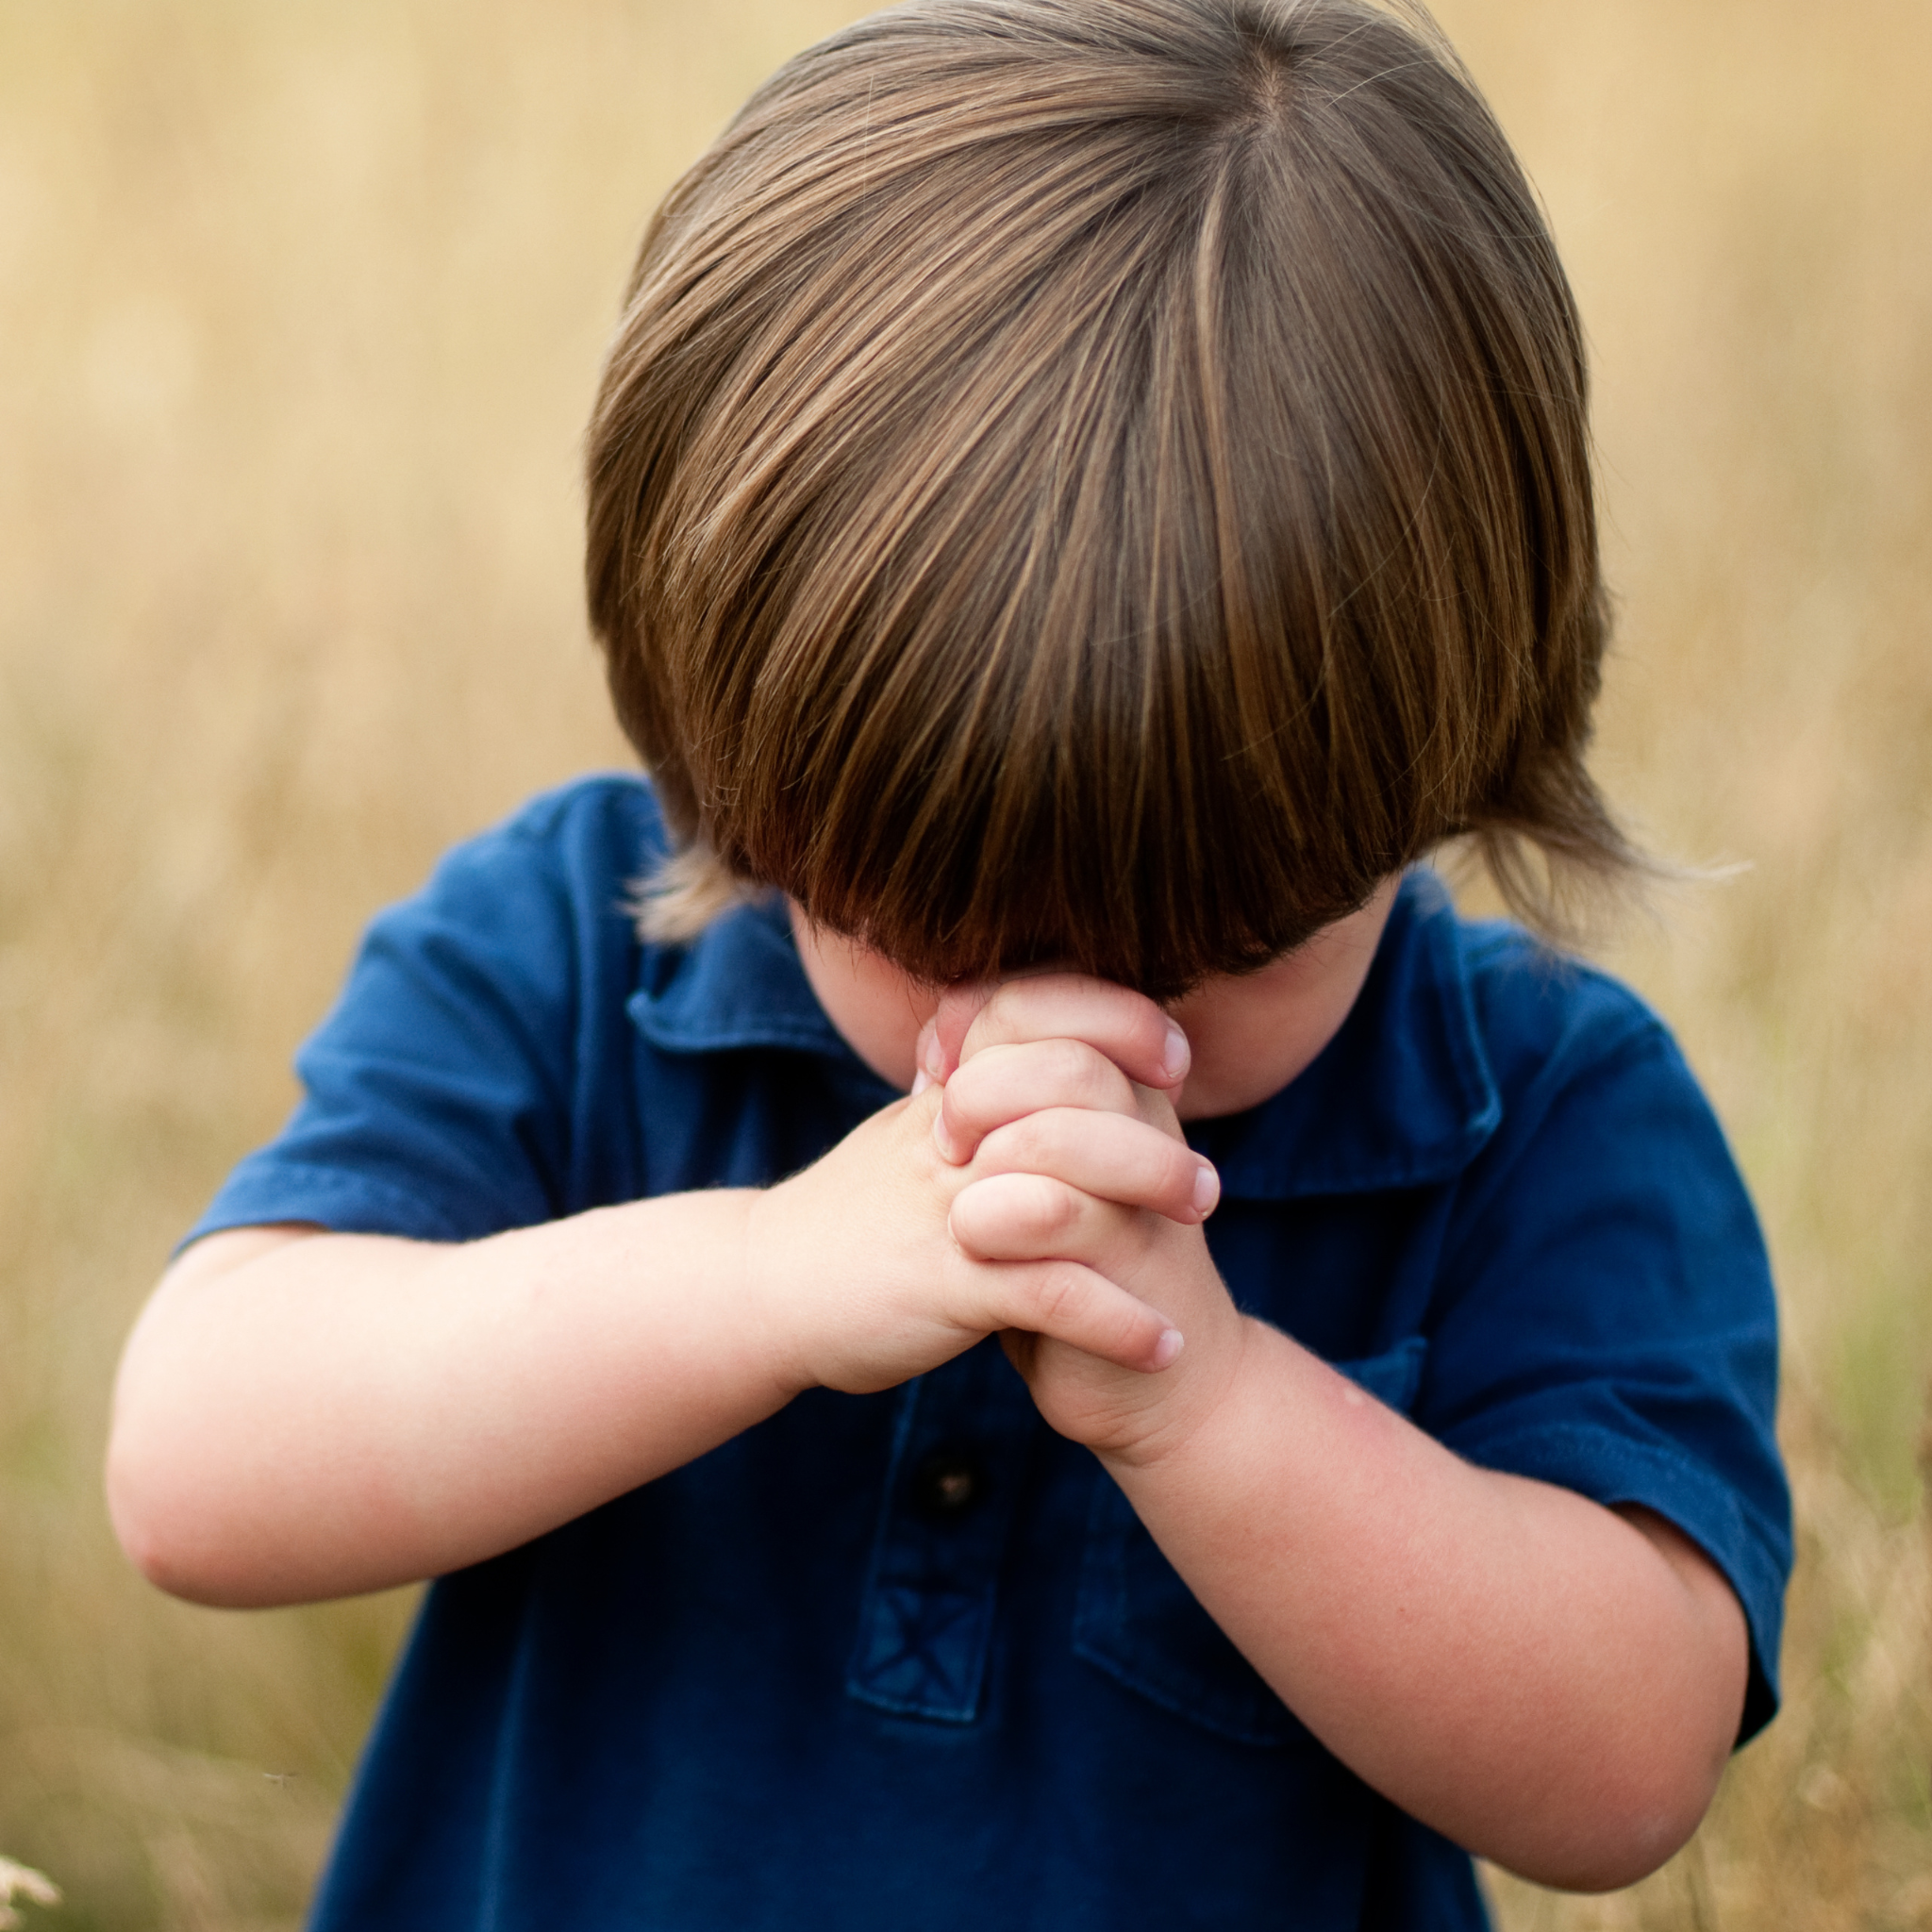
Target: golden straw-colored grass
300,306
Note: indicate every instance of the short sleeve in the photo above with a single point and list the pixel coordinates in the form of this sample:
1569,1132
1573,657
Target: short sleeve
1605,1317
442,1096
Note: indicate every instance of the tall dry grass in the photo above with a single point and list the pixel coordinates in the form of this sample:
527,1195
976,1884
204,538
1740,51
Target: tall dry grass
300,308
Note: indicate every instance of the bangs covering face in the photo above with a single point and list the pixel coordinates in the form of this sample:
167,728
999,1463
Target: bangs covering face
1104,482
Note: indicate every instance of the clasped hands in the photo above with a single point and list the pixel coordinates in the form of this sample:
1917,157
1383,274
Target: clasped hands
1036,1185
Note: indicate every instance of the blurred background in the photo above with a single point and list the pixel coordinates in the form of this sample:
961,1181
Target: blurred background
300,313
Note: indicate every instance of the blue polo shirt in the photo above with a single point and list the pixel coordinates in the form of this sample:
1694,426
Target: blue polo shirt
909,1660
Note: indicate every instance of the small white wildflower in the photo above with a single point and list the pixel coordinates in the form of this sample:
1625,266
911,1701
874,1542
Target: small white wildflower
22,1881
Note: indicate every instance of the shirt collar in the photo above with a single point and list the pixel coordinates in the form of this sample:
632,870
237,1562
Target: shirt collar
1401,1097
738,984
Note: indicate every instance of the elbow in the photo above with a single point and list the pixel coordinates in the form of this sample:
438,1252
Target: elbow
143,1523
184,1495
205,1527
161,1528
1616,1859
158,1556
1623,1830
1644,1774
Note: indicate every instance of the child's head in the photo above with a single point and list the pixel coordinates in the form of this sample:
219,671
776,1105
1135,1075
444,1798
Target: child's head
1103,480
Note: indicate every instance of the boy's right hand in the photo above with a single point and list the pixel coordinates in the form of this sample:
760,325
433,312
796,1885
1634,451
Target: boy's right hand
858,1283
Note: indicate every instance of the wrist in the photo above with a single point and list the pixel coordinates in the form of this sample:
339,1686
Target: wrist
1197,1424
767,1288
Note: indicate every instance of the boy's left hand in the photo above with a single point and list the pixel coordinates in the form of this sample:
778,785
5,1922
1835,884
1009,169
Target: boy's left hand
1009,1055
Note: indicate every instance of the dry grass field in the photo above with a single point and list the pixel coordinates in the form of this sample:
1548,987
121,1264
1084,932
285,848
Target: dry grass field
300,306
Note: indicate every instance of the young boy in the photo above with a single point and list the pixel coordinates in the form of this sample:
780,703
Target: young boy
1086,493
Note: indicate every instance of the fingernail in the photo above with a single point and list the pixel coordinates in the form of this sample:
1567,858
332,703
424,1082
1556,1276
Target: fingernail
1170,1346
943,1140
1176,1060
1206,1188
921,1081
933,1056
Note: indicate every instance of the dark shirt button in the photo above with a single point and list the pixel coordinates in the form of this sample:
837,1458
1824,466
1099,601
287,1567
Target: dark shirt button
948,1483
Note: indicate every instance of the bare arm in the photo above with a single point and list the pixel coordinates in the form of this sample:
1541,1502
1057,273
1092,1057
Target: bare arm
303,1415
1547,1682
1550,1683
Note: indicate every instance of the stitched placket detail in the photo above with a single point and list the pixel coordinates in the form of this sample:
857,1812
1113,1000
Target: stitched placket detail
964,1434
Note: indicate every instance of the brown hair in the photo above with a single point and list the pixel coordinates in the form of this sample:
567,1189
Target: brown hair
1107,480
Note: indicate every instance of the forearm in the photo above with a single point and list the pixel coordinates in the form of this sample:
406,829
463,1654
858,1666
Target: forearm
1533,1675
307,1415
321,1414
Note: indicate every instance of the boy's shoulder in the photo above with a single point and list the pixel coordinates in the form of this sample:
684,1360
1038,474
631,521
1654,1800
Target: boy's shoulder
546,894
607,816
1550,1034
1531,1003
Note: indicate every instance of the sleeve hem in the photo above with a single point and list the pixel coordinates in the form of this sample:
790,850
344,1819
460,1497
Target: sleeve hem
260,1193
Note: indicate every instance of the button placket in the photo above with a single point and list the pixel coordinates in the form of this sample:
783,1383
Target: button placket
960,1453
